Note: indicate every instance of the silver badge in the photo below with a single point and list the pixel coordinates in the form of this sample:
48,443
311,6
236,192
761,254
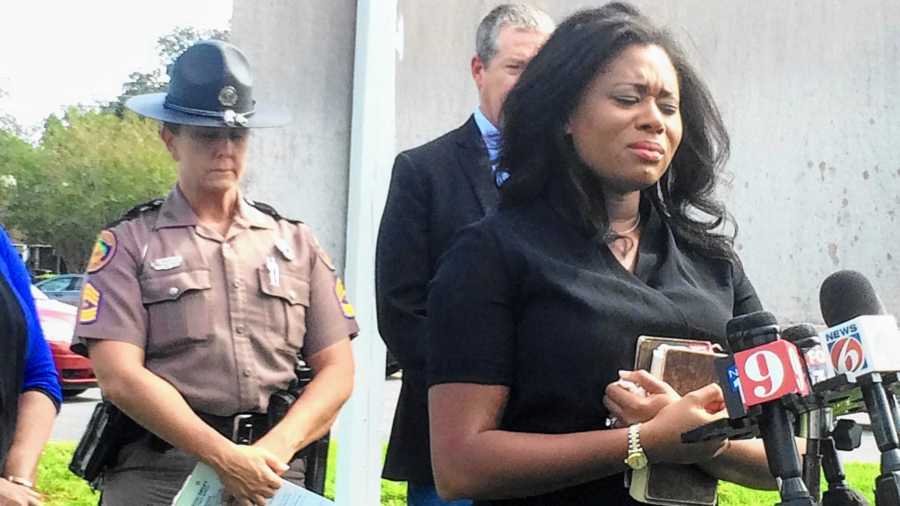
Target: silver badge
167,263
274,271
228,96
285,249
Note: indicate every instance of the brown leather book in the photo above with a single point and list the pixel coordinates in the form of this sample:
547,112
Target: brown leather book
643,356
685,369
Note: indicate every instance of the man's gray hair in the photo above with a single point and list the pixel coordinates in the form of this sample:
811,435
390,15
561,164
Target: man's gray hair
520,16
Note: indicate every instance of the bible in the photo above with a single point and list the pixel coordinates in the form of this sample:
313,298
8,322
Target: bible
686,365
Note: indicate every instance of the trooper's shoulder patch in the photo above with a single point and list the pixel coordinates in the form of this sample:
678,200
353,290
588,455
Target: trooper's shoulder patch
269,210
104,251
91,298
341,293
138,210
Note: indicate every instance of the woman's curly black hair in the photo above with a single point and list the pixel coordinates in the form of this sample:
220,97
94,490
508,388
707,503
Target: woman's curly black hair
537,149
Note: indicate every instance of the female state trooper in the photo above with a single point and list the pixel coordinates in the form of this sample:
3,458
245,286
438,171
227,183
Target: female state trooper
196,306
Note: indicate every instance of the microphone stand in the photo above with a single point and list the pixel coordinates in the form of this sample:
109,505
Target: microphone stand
818,424
889,381
821,455
775,421
777,432
839,492
887,485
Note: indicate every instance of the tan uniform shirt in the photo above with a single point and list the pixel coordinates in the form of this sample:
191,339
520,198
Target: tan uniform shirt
220,318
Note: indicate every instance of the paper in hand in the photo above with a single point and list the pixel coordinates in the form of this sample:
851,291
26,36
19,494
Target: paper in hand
203,488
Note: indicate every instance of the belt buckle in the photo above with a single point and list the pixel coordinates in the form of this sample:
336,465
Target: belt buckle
242,429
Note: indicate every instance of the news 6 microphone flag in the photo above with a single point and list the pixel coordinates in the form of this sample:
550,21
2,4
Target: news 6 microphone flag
861,338
863,345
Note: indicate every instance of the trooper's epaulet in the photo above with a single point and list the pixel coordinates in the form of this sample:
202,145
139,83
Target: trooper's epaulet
267,209
137,210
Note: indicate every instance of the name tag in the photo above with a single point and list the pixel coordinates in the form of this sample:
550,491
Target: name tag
166,263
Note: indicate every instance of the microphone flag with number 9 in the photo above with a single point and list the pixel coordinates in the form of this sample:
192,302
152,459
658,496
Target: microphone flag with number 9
770,371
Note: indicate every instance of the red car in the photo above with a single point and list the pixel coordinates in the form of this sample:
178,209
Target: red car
58,322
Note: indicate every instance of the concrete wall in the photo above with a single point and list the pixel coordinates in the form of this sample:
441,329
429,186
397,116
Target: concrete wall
303,63
808,89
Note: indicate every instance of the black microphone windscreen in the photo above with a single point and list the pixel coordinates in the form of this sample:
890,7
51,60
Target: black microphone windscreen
798,332
845,295
749,330
749,321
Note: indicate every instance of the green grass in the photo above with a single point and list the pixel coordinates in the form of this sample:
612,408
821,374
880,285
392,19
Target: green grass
62,488
59,486
392,493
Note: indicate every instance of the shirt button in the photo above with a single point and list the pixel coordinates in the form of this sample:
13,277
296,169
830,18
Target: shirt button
236,283
239,329
246,373
173,291
226,246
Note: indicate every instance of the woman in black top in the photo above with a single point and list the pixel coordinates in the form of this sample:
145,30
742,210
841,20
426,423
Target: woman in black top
613,144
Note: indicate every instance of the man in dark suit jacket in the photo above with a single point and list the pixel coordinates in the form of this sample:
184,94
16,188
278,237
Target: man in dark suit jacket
435,190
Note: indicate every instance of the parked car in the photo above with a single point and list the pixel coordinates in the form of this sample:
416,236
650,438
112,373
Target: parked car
64,287
58,322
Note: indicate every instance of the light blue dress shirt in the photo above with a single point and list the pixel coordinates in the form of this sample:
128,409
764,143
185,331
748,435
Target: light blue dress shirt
491,137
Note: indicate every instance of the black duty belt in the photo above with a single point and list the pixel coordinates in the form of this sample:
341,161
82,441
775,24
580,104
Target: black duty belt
242,428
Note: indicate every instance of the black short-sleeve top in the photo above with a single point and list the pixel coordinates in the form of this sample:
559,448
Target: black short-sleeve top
527,299
13,342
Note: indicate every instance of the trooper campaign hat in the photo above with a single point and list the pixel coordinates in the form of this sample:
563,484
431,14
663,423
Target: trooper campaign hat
210,84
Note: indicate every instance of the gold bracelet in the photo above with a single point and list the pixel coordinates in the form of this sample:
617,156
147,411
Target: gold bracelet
20,481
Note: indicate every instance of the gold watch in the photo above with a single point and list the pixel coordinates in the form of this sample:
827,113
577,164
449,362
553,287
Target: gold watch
636,458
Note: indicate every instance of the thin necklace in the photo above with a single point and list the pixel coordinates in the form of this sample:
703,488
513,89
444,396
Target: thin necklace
637,223
623,247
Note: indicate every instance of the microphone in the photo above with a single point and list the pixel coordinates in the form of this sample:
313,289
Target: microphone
817,423
770,369
861,341
816,359
820,446
867,340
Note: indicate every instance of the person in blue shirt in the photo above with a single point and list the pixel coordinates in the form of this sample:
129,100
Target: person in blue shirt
30,394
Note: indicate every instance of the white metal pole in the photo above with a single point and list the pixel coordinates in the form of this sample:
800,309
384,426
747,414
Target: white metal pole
372,144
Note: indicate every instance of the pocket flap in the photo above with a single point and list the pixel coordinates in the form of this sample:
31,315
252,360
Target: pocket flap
288,287
172,286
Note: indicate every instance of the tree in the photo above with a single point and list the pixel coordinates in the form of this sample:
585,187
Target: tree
19,162
168,47
91,166
8,123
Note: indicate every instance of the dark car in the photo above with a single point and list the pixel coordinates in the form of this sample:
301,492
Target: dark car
64,288
58,323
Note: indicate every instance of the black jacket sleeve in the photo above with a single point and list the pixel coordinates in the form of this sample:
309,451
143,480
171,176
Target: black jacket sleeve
745,298
403,264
